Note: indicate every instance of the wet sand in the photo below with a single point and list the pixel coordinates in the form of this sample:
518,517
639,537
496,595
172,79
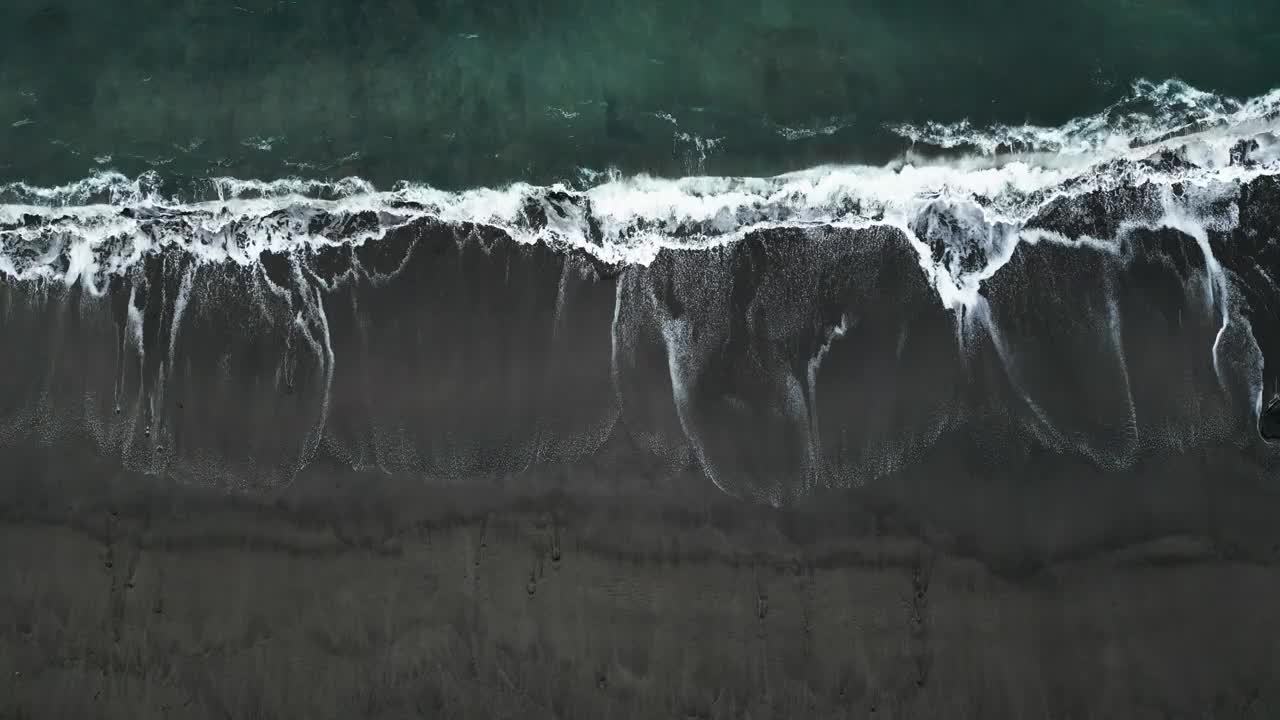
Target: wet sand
149,601
481,480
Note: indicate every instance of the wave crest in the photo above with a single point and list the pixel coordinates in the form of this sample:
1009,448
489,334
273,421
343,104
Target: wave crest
1184,149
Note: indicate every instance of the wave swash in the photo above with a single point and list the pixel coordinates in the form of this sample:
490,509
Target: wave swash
1106,289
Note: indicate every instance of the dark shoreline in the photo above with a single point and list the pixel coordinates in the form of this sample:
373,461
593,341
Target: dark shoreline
482,479
163,606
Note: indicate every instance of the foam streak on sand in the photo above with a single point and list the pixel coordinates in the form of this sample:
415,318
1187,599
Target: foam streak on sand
736,277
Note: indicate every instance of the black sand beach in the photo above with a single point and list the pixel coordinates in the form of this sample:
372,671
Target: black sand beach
450,475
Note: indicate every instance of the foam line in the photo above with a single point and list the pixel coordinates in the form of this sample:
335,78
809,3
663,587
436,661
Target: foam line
1163,137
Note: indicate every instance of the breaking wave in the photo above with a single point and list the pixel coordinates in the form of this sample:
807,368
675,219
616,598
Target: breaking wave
1163,136
1068,269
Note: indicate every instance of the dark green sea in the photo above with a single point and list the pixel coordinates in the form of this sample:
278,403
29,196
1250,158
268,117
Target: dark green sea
457,94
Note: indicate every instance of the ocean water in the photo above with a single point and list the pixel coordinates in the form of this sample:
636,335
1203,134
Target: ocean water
464,94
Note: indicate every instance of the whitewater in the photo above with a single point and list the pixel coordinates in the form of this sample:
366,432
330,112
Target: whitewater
1161,136
737,278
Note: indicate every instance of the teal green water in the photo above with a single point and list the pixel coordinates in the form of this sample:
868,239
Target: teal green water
463,93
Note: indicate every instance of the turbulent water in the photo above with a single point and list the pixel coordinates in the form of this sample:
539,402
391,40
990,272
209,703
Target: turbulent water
1105,291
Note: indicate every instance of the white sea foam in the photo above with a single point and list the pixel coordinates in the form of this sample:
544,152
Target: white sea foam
1151,112
964,217
831,127
261,143
1205,144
